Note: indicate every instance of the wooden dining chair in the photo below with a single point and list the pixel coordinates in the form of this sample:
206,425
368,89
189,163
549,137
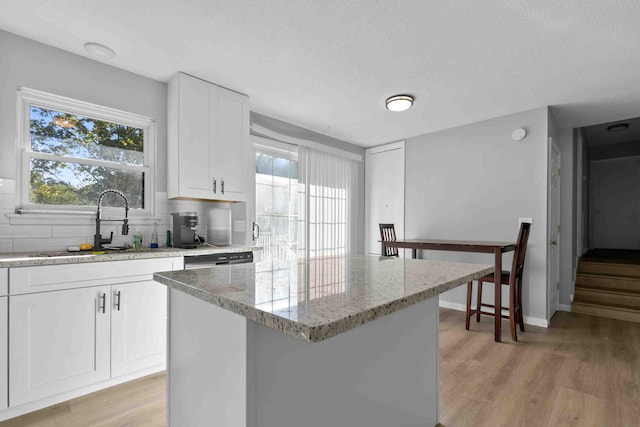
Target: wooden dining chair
513,279
388,234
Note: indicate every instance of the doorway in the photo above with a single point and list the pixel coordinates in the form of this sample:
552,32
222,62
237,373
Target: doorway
384,193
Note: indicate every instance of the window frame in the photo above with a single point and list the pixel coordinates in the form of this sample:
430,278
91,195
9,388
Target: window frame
27,97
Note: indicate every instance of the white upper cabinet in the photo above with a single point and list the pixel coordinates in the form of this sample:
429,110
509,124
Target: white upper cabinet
209,154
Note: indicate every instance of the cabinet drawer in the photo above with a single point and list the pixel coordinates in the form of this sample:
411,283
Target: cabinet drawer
25,280
4,281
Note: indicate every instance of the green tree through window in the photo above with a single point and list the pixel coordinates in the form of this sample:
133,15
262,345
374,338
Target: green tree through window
79,157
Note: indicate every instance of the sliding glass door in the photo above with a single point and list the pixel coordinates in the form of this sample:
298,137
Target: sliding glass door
276,203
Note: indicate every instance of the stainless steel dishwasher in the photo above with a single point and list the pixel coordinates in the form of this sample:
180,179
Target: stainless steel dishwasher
211,260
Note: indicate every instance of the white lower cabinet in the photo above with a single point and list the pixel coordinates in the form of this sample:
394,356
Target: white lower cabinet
58,341
4,353
104,325
138,326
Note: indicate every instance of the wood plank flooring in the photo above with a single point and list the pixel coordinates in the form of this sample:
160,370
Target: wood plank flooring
139,403
582,371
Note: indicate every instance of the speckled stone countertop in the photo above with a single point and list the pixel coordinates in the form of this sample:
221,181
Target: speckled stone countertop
319,298
62,257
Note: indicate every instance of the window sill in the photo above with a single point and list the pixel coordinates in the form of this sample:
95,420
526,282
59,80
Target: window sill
57,218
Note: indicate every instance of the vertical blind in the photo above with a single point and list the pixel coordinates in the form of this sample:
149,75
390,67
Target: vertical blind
327,204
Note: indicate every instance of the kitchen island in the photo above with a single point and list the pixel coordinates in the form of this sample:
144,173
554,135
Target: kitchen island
344,341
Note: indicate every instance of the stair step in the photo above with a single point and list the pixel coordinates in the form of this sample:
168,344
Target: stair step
605,282
604,311
607,298
608,268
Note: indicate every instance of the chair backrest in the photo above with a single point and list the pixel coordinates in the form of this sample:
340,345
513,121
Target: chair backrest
388,234
521,250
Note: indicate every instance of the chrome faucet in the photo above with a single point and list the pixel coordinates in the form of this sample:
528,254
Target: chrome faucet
98,241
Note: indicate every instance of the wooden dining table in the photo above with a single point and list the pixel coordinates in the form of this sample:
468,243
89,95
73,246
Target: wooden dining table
480,246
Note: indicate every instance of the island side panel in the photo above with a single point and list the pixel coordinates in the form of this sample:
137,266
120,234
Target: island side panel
206,364
383,373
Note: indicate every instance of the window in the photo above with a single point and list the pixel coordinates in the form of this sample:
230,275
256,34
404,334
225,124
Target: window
306,201
72,151
276,202
306,207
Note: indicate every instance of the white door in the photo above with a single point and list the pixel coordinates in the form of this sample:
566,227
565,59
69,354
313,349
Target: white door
3,352
198,111
233,156
553,282
384,193
138,327
58,341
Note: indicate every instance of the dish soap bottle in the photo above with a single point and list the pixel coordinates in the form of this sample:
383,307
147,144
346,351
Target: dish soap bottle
154,237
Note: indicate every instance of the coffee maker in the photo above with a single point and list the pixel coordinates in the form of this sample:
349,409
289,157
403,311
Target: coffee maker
184,229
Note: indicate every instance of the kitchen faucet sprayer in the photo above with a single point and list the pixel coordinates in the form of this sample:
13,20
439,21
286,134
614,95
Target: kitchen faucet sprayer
98,241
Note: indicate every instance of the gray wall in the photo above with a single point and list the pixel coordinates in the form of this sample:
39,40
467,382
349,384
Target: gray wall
34,65
615,203
38,66
474,182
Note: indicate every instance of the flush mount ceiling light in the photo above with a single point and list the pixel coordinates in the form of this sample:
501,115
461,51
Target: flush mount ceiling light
99,50
399,102
618,127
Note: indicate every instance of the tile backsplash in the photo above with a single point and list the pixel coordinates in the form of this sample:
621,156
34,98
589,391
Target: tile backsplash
42,232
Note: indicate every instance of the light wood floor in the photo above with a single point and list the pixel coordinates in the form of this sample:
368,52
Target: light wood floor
582,371
138,403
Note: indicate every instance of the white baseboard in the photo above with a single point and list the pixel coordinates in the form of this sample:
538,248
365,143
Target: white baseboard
533,321
564,307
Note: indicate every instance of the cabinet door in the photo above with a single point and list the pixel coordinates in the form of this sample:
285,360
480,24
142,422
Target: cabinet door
233,151
138,327
197,137
58,341
4,330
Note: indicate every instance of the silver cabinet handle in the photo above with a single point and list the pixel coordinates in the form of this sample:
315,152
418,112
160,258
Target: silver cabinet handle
222,187
102,304
214,185
117,298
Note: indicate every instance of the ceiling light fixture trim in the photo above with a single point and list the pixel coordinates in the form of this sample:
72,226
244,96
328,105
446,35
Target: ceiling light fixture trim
399,102
99,50
618,127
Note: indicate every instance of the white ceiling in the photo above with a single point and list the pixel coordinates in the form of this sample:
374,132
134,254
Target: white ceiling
328,65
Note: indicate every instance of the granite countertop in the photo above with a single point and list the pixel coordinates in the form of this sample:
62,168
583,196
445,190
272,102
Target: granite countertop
63,257
319,298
